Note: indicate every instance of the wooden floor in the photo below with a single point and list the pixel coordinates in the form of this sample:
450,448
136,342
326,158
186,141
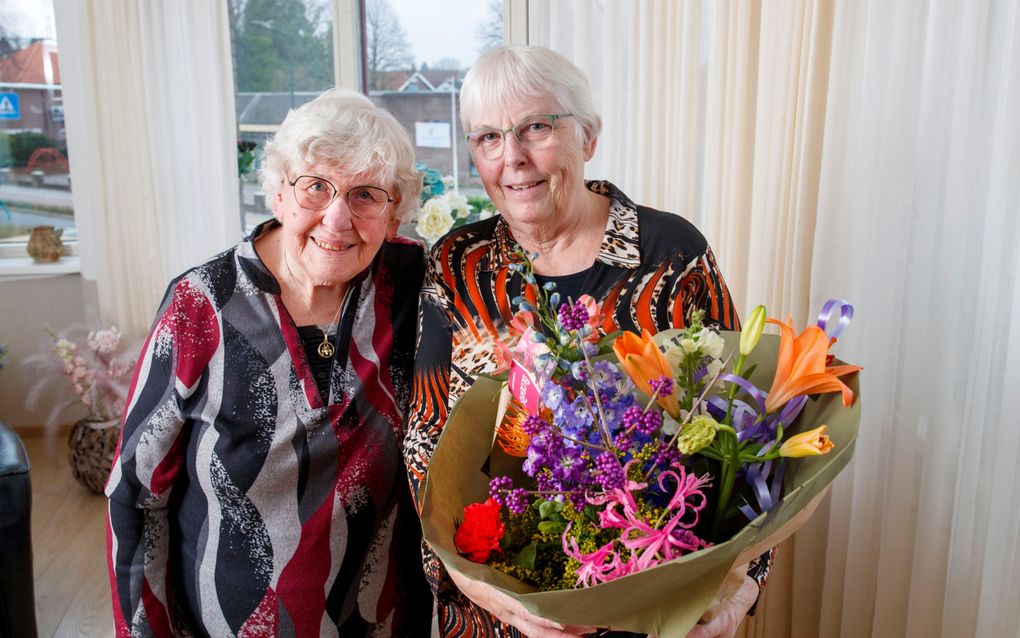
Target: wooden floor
72,594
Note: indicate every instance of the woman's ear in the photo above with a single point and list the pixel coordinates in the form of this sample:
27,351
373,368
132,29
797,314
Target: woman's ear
276,205
392,227
589,148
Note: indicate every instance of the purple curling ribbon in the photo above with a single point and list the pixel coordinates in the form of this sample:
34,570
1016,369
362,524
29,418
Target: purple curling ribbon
749,388
846,313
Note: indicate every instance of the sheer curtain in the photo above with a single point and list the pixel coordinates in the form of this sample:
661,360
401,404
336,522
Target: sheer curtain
869,150
151,132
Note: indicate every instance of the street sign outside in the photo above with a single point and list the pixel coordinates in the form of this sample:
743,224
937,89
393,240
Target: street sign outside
10,108
432,134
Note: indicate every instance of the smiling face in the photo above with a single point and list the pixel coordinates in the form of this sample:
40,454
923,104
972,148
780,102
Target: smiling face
330,246
533,186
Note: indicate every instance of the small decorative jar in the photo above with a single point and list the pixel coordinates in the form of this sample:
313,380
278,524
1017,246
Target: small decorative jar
44,244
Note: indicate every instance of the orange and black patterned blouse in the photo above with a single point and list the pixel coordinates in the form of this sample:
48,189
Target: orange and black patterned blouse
653,269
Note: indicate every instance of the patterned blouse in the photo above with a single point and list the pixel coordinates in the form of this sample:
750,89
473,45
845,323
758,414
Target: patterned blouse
242,501
653,269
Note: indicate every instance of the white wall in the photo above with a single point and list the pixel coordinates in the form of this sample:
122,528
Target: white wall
27,305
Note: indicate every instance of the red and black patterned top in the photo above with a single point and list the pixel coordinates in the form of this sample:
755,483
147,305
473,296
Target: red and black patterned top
242,501
652,271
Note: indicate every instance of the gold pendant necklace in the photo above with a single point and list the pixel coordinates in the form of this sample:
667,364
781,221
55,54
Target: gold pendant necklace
325,349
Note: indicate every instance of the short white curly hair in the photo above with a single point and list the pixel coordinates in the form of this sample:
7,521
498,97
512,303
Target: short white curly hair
514,73
344,131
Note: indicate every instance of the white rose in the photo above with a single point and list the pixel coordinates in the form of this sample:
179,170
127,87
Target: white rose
434,220
458,204
485,213
710,343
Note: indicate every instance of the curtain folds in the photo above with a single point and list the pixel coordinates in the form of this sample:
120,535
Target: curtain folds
868,150
151,131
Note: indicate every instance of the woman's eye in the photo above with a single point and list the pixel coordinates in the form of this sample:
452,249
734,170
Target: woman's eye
317,187
489,137
538,127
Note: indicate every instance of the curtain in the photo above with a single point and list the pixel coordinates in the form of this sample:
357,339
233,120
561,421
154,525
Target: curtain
868,150
151,133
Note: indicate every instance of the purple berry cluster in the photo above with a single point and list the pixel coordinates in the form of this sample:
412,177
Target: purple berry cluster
610,474
574,317
663,385
498,488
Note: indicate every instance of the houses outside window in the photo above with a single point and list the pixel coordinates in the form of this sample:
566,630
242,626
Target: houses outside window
413,59
35,181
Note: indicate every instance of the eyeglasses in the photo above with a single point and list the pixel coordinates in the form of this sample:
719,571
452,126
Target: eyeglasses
316,193
535,132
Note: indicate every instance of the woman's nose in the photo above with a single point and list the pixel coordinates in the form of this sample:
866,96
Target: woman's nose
338,215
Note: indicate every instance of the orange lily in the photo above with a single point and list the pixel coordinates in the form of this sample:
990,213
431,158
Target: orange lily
643,362
802,368
811,443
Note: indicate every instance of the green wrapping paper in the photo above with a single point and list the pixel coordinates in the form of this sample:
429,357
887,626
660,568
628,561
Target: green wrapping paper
666,600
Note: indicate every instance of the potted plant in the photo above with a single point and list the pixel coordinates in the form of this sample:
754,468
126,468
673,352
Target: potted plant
96,372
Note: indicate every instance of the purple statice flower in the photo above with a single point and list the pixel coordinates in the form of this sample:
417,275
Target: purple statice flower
552,395
579,370
606,374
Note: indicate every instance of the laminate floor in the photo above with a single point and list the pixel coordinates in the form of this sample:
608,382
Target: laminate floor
72,594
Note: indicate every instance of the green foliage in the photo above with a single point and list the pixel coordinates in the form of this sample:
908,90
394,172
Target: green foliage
481,202
281,45
16,148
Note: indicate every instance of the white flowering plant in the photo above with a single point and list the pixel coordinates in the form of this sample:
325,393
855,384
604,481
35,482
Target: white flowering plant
98,369
444,209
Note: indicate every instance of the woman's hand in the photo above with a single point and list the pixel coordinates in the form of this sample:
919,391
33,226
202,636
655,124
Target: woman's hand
724,616
512,612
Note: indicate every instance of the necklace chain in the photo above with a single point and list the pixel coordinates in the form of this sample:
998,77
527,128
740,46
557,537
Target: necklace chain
325,349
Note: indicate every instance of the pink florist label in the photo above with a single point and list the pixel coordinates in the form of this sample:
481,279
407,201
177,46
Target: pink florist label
523,387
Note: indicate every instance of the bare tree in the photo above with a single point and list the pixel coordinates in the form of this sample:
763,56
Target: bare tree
387,48
490,32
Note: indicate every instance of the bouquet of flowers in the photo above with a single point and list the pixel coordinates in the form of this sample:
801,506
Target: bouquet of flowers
633,463
443,209
97,369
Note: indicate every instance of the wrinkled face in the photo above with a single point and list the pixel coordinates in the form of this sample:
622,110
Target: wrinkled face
331,246
529,185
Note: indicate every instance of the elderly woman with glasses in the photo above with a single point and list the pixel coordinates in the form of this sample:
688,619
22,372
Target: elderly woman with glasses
532,126
259,487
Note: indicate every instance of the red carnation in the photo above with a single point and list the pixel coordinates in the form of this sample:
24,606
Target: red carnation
481,531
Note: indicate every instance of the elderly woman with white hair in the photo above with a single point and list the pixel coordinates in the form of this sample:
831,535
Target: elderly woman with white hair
531,127
258,487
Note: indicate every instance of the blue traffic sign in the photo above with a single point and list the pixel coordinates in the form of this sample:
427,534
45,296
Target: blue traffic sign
10,109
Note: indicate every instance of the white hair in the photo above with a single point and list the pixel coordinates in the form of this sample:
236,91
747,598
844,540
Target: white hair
344,131
509,74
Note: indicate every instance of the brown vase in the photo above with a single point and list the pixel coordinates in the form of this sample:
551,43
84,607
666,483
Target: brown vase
44,244
90,450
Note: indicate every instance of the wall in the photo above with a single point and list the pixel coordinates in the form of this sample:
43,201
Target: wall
27,305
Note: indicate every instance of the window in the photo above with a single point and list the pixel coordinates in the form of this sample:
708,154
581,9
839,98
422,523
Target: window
283,57
35,183
413,59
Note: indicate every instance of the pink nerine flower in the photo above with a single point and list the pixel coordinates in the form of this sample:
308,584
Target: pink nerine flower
649,543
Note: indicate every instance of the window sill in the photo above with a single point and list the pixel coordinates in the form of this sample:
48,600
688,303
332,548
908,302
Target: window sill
25,268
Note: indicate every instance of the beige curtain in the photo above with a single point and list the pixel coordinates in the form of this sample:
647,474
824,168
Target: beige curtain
151,133
868,150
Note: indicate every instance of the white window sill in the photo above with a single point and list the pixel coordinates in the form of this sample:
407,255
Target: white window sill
25,268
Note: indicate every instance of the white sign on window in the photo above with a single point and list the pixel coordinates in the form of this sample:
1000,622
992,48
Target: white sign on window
432,134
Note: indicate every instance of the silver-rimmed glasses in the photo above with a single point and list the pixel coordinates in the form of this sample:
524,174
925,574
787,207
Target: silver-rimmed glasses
535,132
316,193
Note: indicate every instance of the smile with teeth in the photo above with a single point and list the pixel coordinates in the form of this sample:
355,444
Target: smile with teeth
328,246
522,187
